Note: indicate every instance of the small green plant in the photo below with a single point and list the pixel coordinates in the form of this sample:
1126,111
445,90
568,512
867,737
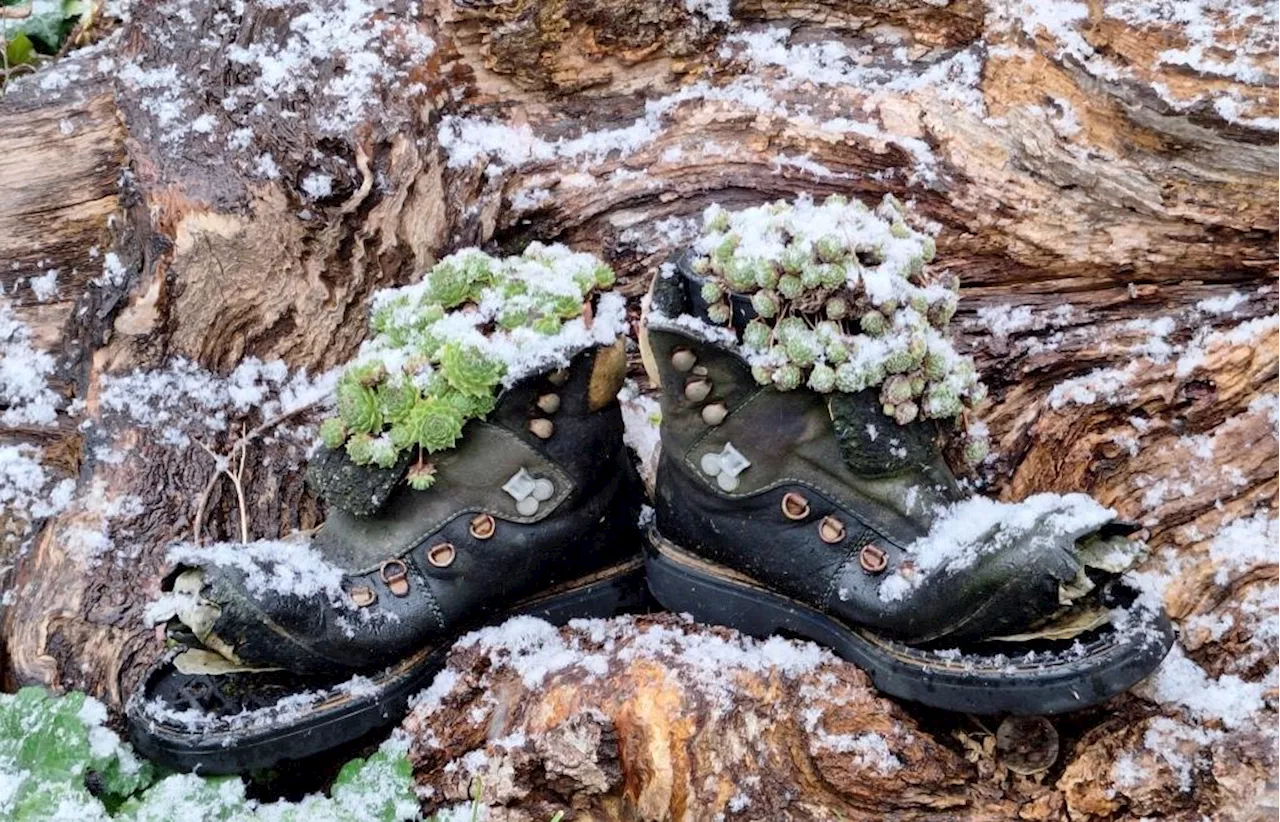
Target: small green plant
440,350
31,30
844,300
58,761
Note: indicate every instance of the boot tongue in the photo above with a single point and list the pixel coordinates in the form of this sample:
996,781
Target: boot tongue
872,444
360,490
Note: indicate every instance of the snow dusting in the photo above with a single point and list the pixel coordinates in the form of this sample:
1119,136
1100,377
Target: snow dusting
977,527
289,568
25,371
183,400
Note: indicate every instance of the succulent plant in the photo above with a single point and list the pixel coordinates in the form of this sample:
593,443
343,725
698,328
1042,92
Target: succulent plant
421,476
787,377
719,313
765,304
833,275
766,275
756,335
849,378
976,450
895,390
848,305
873,324
333,433
432,362
822,378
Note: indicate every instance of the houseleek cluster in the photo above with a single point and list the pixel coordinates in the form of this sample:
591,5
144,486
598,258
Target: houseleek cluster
844,299
439,351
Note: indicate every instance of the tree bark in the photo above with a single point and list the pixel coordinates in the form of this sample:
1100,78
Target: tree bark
1093,186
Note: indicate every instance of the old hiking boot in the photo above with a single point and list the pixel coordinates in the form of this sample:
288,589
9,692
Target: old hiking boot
813,513
299,647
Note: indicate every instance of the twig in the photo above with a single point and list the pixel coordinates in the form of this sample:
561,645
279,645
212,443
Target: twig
198,525
238,482
222,467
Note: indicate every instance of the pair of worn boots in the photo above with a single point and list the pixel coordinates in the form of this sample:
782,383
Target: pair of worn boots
776,512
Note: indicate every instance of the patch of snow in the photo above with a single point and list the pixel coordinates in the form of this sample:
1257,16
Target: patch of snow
968,530
717,11
1105,385
1003,320
536,650
1221,305
45,286
1181,682
317,186
1243,544
25,370
641,419
1242,334
868,750
184,400
114,273
289,568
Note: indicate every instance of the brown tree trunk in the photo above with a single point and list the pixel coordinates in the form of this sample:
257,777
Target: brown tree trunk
1105,187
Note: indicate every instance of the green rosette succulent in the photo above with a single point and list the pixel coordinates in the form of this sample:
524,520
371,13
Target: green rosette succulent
440,351
358,406
434,424
457,279
333,433
469,371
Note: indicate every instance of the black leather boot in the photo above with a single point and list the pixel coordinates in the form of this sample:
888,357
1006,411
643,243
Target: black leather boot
534,511
815,514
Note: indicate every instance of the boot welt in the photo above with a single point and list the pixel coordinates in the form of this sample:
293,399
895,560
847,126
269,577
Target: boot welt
344,715
1050,680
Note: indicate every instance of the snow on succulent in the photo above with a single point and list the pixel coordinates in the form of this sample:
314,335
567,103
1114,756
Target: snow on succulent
840,297
442,349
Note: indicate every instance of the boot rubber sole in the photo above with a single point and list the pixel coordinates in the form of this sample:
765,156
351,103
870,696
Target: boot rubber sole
338,714
1024,679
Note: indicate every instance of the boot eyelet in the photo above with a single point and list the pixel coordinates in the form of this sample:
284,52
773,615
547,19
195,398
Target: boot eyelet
831,530
794,506
362,596
442,555
697,389
396,576
482,526
873,559
714,414
682,359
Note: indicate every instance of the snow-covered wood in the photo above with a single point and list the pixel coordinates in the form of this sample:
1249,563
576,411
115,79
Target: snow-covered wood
657,718
218,181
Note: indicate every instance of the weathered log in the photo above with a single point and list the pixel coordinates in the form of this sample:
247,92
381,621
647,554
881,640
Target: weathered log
657,718
1105,187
